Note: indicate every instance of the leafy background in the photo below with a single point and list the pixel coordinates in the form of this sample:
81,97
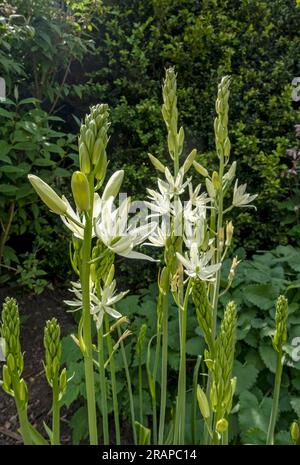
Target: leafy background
60,57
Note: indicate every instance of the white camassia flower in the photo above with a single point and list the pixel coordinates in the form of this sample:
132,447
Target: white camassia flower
173,186
73,225
159,236
240,197
98,306
112,229
196,265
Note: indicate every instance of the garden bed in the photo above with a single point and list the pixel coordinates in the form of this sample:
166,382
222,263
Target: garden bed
34,311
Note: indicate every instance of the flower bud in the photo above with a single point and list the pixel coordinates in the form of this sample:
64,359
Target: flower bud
98,151
216,180
84,159
295,432
48,195
200,169
231,172
210,188
90,140
229,233
164,280
156,163
110,276
180,139
6,376
63,381
23,391
189,160
222,425
113,185
203,403
81,191
101,167
227,147
11,363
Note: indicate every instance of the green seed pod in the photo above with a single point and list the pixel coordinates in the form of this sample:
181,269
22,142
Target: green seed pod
81,191
203,402
48,195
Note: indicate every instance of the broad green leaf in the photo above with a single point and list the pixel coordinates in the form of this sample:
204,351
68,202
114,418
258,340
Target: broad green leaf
295,403
261,295
78,424
246,376
8,189
268,355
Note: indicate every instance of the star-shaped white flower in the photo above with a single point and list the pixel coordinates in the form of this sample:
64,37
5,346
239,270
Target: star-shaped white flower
197,264
112,229
240,197
98,306
78,219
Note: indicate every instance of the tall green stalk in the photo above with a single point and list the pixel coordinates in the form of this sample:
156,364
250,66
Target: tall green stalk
274,412
164,370
278,341
113,382
103,387
55,413
87,336
129,387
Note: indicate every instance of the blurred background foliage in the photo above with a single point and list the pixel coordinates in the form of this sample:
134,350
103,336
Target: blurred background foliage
60,57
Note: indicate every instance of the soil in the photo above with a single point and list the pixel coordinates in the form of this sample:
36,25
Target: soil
34,311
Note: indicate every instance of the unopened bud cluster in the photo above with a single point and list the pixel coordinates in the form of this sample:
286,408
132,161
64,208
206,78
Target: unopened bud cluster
52,346
221,121
281,314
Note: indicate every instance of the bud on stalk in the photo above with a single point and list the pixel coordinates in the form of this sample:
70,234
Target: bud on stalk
81,191
48,195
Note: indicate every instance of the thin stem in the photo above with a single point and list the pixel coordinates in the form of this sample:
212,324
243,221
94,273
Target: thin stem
23,418
164,370
55,413
155,368
113,382
103,388
194,401
274,413
87,336
180,411
141,407
129,387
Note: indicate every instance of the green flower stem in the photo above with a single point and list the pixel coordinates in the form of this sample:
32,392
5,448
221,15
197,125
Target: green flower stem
55,413
164,371
154,412
194,401
87,336
140,381
23,418
103,388
274,412
129,387
113,382
179,435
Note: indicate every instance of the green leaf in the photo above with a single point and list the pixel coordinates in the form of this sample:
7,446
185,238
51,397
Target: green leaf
254,418
79,425
295,403
6,114
195,346
246,376
43,162
261,295
8,189
268,356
